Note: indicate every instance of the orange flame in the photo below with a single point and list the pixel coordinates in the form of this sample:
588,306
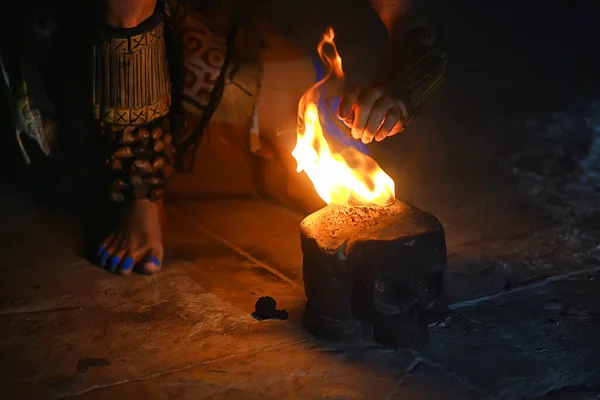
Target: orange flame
337,177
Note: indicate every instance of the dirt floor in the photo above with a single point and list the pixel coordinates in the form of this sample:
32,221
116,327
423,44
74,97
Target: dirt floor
506,157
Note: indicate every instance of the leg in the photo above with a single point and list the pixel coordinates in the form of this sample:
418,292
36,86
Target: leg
128,14
137,239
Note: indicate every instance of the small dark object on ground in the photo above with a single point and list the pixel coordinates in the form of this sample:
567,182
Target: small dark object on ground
373,272
85,364
265,308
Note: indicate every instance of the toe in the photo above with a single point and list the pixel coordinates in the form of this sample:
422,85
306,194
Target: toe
100,250
152,263
113,262
104,251
104,258
126,265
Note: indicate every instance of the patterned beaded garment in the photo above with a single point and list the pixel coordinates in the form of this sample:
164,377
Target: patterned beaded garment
131,101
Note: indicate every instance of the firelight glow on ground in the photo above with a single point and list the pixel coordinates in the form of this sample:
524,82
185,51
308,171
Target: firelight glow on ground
337,177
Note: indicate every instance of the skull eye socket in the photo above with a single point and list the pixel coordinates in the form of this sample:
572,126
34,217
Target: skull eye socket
393,297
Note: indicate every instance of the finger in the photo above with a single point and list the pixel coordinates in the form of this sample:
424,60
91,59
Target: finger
347,103
366,100
379,113
392,125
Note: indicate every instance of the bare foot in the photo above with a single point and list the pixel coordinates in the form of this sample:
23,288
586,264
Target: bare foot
138,241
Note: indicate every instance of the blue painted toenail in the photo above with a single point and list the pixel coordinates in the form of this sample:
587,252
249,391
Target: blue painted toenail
127,263
103,258
114,261
154,260
100,250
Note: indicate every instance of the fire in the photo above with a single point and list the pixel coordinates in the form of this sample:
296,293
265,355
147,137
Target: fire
337,177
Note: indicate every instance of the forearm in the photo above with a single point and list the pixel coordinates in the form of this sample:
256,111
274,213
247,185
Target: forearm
399,17
413,65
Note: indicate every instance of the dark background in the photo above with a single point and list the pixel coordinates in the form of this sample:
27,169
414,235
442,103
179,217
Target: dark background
516,112
510,136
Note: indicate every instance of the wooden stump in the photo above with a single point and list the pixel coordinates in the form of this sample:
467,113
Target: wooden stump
372,272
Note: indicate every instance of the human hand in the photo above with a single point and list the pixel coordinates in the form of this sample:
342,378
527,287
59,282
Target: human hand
371,113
